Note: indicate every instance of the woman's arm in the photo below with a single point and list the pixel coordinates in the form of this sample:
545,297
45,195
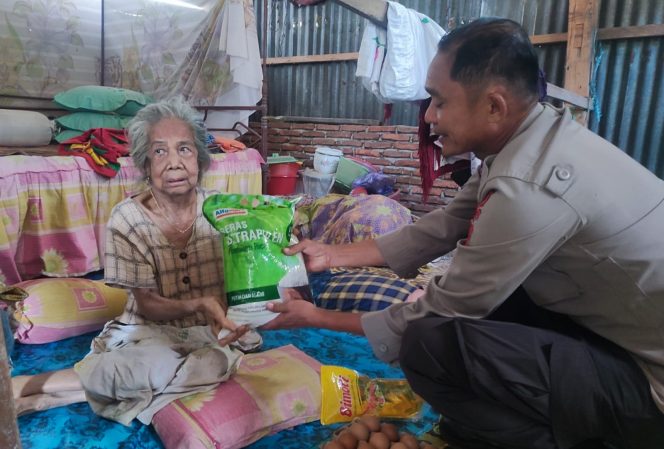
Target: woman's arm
155,307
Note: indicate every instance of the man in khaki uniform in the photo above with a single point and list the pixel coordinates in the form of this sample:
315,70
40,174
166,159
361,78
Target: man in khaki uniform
548,329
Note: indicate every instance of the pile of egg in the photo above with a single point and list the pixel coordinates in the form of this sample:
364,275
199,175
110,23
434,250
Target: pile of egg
368,432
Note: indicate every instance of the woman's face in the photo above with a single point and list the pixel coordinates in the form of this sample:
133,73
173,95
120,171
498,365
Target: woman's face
173,157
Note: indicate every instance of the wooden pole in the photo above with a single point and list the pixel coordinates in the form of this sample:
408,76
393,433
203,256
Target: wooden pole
9,435
374,10
581,35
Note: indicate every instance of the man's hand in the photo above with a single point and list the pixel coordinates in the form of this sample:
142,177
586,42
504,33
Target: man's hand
292,314
317,256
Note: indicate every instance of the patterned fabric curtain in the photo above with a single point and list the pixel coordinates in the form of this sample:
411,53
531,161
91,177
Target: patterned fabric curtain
48,46
205,50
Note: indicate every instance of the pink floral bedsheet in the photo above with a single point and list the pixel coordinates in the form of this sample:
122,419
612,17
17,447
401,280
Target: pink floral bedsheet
54,209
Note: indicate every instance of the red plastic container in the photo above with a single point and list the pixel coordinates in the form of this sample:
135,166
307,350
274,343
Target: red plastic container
282,178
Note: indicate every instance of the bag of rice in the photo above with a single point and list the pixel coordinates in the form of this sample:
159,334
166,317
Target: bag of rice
254,230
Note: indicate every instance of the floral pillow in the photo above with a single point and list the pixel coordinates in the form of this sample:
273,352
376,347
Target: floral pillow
271,391
64,307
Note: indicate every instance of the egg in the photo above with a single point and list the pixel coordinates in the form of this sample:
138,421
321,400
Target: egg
398,445
409,441
347,440
390,430
365,445
372,422
360,431
333,445
379,440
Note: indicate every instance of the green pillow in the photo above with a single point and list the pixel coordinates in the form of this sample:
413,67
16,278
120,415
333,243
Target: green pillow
66,135
83,121
102,99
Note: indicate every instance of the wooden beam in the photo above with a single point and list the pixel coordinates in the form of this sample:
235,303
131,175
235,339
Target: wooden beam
567,96
330,57
9,435
374,10
581,33
633,32
543,39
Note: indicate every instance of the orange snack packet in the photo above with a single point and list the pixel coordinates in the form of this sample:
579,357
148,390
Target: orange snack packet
345,394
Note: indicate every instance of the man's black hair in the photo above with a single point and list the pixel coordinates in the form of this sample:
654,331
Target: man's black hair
490,48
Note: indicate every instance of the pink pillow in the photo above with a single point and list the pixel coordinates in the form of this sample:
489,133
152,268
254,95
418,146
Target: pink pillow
59,308
272,390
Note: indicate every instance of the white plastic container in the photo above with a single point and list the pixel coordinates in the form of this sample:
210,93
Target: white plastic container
326,160
317,184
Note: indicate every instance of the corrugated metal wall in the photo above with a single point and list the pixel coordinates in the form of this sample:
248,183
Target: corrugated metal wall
629,76
629,84
331,89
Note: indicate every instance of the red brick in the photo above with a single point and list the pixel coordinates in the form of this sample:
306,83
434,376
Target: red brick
313,133
382,129
291,147
327,127
302,140
445,183
406,146
276,125
366,136
378,161
378,145
407,163
397,137
372,153
349,143
338,134
402,129
394,154
303,125
277,139
323,141
290,132
352,128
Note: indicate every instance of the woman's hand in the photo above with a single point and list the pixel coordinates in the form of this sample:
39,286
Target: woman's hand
215,315
317,256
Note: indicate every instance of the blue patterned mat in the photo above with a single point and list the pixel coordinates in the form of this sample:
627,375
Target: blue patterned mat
76,426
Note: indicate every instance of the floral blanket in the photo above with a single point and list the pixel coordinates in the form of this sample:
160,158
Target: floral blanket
338,218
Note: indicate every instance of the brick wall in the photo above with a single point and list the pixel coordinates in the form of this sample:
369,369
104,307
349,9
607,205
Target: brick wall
391,148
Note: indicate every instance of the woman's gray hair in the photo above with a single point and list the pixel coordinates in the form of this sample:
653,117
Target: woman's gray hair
138,131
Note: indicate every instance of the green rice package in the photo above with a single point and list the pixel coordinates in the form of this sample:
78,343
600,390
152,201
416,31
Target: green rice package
254,230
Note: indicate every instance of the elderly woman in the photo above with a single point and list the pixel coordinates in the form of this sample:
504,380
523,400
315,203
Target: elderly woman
165,253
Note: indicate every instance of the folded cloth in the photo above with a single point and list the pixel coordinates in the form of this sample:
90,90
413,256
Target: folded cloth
101,148
229,145
12,294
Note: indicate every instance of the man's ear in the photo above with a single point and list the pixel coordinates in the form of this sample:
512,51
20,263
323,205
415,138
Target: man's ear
497,104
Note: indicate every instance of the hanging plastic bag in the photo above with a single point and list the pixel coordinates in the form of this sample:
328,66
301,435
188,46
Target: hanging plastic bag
375,182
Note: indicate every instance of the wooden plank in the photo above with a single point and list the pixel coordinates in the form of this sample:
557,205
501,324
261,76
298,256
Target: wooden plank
567,96
374,10
633,32
330,57
543,39
9,435
581,32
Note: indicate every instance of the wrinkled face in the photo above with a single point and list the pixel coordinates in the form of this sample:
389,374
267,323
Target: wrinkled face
172,156
453,114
